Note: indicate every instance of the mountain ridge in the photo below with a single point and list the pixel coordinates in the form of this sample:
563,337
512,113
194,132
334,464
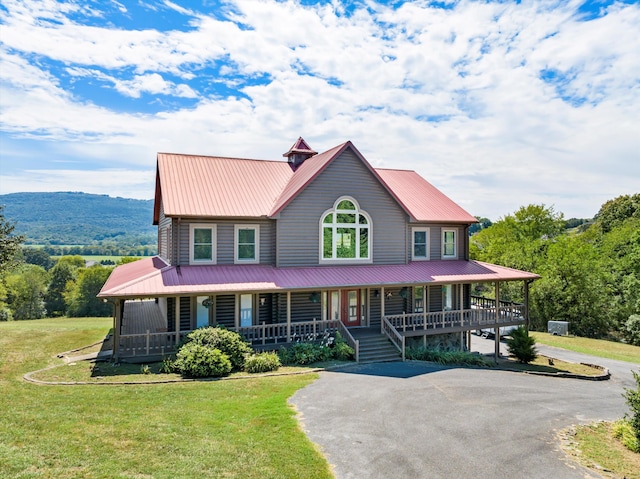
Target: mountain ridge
73,217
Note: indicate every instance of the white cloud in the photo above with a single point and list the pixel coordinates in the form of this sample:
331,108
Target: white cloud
455,94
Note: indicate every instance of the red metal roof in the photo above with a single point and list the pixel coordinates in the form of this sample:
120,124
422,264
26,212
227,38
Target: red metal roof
210,187
158,280
424,201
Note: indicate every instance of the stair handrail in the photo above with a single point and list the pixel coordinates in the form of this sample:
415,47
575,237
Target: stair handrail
351,341
394,336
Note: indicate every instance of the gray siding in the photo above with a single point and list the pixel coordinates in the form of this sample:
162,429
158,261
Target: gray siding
299,223
164,236
226,310
225,239
302,309
185,313
435,239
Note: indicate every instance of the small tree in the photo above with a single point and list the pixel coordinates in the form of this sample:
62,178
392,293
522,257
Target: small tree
61,274
633,400
522,346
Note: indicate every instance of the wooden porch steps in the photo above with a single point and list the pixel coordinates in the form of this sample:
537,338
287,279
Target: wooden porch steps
374,346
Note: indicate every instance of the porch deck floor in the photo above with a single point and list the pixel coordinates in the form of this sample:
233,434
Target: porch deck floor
142,316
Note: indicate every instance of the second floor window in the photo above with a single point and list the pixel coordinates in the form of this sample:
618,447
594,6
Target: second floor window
449,244
345,232
202,244
247,248
420,249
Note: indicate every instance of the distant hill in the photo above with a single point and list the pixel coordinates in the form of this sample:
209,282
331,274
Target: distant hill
79,218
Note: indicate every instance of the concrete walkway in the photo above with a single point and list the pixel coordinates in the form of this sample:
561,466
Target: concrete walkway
415,420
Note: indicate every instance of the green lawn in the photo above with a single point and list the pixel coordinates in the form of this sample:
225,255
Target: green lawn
241,428
594,347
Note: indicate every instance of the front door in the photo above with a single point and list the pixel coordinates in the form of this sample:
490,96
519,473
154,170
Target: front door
351,307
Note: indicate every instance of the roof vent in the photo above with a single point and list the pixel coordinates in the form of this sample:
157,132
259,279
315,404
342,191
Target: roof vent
298,153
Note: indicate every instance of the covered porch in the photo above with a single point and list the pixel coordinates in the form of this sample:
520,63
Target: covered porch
272,307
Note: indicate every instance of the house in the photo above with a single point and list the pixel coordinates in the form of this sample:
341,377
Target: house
283,250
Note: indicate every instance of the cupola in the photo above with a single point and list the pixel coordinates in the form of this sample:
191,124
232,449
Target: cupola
298,153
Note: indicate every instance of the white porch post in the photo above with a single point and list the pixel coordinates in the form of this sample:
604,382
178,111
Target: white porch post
497,329
381,308
117,321
288,316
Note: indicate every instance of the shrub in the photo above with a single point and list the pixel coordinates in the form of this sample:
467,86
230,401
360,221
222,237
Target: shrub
262,362
631,329
343,352
198,361
462,358
522,346
623,431
168,366
228,342
632,397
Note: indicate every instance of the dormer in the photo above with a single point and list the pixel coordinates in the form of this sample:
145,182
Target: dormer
298,153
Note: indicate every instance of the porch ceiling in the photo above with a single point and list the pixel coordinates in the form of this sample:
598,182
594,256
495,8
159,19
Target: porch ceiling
155,278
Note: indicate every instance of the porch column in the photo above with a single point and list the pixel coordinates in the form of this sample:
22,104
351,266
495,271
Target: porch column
382,299
117,321
177,320
368,318
526,304
288,316
426,302
497,328
461,306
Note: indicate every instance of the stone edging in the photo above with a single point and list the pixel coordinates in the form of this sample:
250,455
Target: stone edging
601,377
29,376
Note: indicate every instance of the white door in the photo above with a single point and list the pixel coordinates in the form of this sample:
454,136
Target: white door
246,310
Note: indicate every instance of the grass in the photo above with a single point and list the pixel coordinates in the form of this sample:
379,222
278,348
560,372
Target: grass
197,429
541,364
106,372
595,447
594,347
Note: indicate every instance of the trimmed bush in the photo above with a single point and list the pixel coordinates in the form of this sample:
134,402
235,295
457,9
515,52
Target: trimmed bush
229,342
262,362
522,346
198,361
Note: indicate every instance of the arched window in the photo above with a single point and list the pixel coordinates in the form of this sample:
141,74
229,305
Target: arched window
345,232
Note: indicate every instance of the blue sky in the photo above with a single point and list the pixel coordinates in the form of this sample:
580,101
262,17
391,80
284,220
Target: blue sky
498,103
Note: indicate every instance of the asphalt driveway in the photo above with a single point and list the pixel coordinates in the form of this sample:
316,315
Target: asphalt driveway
415,420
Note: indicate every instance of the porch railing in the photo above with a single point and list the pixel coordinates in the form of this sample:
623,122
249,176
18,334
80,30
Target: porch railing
148,344
465,319
162,343
397,339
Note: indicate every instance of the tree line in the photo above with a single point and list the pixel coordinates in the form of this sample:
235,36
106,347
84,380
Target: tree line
590,274
33,285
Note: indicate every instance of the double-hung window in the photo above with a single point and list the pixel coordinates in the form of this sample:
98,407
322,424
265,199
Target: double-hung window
247,243
449,250
420,244
202,243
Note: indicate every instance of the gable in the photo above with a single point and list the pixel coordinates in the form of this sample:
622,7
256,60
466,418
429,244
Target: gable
346,175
